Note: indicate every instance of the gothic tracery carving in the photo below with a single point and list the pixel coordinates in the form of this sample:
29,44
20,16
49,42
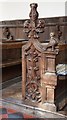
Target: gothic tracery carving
33,75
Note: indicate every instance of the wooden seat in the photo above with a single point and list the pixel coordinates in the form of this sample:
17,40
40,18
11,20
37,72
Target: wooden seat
11,59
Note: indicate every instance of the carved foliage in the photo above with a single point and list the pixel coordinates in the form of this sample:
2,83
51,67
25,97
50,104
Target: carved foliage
33,75
34,26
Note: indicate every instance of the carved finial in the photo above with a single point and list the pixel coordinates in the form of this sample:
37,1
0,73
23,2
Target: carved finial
33,13
34,26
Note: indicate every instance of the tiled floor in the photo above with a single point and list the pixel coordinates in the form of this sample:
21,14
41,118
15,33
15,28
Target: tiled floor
12,114
12,96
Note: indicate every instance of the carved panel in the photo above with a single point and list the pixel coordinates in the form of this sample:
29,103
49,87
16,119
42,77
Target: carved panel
33,77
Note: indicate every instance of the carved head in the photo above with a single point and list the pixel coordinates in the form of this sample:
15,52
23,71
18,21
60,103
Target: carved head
52,34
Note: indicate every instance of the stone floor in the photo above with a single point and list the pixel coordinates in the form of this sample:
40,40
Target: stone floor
11,96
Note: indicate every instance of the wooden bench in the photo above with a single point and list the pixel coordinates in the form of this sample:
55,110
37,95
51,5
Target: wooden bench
11,59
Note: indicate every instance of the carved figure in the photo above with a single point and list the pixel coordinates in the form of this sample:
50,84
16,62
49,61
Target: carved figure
53,41
59,32
7,34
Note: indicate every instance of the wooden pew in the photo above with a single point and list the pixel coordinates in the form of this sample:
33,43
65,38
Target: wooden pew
61,88
11,59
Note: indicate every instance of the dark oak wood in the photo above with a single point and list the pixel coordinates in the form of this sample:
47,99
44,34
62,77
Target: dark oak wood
39,78
38,57
11,59
53,24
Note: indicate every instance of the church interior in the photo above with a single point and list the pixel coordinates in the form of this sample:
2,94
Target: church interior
33,67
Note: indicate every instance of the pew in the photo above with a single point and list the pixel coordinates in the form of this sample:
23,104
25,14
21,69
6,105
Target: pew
15,32
11,59
11,45
40,69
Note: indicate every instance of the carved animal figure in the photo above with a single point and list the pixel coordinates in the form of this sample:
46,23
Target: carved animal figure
53,41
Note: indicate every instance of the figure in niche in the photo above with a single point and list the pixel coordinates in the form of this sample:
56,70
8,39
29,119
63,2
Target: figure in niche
53,41
7,34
